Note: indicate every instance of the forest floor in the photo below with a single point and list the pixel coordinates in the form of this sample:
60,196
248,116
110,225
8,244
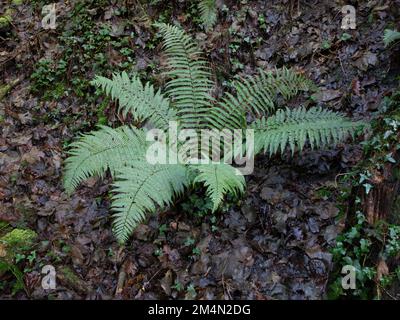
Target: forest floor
273,243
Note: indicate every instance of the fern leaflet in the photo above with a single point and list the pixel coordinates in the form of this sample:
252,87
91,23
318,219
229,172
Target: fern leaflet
295,127
100,150
190,84
142,101
220,179
208,13
139,188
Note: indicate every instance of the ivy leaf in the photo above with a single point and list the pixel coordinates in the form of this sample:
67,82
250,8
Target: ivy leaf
390,158
363,177
387,134
367,187
345,36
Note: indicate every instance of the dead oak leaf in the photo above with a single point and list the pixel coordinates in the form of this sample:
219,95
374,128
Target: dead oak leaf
33,156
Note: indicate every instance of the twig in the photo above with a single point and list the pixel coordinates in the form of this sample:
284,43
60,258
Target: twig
341,66
143,288
121,280
381,287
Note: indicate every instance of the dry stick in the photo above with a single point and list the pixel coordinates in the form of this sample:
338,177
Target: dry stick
143,288
121,280
226,292
379,286
342,174
341,66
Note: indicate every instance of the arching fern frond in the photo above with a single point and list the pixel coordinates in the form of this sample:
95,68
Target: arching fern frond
139,188
257,95
93,153
208,13
295,127
142,101
190,84
220,179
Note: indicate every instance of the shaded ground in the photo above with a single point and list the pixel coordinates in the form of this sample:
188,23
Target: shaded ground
275,243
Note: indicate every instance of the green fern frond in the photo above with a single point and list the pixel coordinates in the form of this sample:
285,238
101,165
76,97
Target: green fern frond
257,96
142,101
294,127
139,188
390,36
190,84
287,82
97,151
208,13
220,179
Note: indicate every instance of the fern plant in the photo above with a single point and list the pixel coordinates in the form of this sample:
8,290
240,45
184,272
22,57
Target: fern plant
390,36
140,187
208,13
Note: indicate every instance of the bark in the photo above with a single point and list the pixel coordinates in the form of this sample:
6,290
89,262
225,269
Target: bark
383,200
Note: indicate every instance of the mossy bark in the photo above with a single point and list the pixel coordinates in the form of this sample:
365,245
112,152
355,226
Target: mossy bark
5,88
70,279
382,202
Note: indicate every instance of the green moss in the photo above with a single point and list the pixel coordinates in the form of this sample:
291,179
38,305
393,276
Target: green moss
12,243
18,239
6,18
3,225
4,21
69,275
70,279
4,89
